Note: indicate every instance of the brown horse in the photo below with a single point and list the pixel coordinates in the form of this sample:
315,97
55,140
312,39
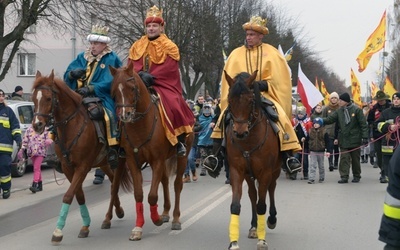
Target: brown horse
253,154
77,146
144,140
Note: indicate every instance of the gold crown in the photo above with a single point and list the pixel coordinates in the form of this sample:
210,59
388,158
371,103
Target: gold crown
258,24
259,21
100,30
154,12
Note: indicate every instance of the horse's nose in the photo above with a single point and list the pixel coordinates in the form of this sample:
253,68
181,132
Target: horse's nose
241,135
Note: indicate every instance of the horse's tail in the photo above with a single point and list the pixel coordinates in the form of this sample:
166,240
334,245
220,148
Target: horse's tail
171,164
126,180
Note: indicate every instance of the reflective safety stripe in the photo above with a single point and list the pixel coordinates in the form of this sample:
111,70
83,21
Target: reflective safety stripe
391,207
379,126
387,149
16,131
6,147
391,212
5,121
5,179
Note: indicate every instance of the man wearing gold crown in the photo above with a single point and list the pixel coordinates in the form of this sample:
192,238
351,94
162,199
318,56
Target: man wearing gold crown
275,82
89,75
155,57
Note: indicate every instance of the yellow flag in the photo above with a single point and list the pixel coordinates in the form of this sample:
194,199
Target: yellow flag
355,89
325,93
374,89
375,42
316,83
388,87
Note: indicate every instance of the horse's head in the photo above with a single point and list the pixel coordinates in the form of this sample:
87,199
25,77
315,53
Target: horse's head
43,97
241,100
125,90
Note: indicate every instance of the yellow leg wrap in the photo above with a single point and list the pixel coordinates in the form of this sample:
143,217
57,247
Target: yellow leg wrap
234,228
261,226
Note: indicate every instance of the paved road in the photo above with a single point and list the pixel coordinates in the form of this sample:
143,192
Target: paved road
318,216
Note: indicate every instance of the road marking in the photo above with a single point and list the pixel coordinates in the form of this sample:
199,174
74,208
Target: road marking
196,206
200,214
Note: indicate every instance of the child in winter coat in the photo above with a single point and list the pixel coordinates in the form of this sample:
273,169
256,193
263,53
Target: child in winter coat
35,145
318,139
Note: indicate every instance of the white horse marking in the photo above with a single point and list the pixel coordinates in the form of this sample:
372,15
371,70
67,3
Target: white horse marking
38,97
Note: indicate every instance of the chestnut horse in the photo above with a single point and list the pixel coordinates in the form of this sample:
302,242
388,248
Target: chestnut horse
253,154
77,146
144,140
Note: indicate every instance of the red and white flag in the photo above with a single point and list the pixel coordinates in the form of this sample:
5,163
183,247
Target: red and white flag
309,94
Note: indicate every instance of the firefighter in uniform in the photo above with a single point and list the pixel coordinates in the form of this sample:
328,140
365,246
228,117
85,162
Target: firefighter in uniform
9,132
389,231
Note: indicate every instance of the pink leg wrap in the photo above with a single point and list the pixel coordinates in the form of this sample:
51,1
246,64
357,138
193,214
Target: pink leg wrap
154,213
139,214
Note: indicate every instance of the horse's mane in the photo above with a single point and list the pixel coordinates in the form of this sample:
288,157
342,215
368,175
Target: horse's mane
61,87
239,87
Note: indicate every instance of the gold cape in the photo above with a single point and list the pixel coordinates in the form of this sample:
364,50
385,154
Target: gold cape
272,67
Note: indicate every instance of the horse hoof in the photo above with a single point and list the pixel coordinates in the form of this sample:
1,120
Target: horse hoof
165,218
234,246
57,237
159,222
252,233
176,226
84,233
271,223
262,245
106,225
120,213
136,234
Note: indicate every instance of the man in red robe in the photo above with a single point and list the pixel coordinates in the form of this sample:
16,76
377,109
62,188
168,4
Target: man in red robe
155,57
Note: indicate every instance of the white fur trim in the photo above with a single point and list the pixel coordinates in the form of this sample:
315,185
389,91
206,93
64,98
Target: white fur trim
98,38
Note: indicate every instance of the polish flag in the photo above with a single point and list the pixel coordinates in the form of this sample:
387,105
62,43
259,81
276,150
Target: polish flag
309,94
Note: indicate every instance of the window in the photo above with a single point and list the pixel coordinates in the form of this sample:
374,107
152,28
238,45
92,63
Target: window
25,114
27,64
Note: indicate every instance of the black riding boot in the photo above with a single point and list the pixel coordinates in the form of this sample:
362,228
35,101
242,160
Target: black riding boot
213,163
181,146
292,164
112,156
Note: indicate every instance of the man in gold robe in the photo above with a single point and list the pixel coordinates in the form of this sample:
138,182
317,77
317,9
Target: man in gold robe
275,82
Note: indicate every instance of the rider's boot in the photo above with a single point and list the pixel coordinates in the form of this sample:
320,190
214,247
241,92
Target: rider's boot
292,164
112,156
213,162
181,146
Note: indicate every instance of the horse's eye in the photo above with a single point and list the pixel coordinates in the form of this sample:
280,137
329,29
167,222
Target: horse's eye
48,99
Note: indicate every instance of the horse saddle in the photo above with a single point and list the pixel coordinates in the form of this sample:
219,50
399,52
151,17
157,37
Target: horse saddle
95,111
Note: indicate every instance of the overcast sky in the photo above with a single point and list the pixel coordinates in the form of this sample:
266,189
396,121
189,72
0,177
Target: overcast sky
339,30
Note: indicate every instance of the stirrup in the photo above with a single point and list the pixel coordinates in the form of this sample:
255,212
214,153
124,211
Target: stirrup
290,161
207,160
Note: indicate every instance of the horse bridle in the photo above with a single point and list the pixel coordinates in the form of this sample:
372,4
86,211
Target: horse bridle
257,119
137,115
54,105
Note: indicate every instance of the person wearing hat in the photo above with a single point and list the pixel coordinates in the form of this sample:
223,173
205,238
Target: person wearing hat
156,59
274,79
318,139
9,132
373,115
332,148
89,75
389,121
352,133
17,94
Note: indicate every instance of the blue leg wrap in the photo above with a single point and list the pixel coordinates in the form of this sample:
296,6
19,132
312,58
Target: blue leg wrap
85,215
63,216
